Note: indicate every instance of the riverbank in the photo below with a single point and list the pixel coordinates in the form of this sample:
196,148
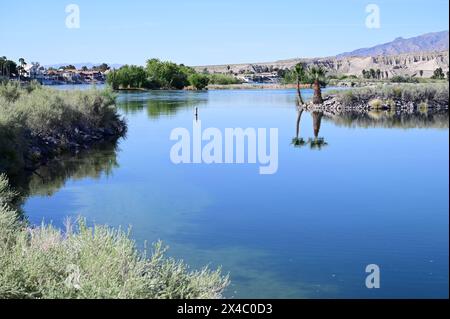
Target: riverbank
37,124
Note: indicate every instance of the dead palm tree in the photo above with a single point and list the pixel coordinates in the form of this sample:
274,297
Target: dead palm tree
316,75
300,76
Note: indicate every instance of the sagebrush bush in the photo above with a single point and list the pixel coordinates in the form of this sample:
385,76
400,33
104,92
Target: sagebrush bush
44,111
32,116
90,262
223,79
416,93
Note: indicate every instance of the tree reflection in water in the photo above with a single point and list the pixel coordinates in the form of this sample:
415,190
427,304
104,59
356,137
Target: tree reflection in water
421,118
297,141
48,179
317,142
314,143
162,103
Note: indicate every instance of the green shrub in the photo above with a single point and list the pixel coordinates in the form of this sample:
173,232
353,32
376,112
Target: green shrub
223,79
30,115
403,79
128,76
198,81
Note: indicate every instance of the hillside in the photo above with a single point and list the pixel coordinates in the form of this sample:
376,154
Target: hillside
403,64
424,54
436,41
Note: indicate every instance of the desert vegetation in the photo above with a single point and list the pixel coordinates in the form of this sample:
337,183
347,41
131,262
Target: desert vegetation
431,94
223,79
38,123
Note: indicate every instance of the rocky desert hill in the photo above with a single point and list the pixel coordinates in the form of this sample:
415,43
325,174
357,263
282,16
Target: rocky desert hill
424,54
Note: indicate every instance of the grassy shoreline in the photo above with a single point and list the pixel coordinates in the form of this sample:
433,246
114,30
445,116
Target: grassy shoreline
38,124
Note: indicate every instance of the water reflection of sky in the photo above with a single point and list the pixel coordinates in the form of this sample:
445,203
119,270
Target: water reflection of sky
374,194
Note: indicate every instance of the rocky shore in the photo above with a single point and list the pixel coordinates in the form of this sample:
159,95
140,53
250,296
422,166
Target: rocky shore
42,149
333,103
399,98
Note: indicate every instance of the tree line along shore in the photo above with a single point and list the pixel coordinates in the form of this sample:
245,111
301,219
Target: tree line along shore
157,74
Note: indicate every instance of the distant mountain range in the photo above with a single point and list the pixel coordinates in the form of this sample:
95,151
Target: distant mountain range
435,41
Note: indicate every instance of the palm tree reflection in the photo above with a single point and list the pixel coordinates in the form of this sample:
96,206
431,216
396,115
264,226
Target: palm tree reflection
297,141
317,142
314,143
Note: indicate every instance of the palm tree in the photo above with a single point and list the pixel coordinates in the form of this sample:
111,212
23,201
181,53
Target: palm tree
22,66
378,74
3,64
364,73
300,76
316,75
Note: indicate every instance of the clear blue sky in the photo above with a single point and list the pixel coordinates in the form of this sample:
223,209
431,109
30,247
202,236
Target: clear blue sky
197,32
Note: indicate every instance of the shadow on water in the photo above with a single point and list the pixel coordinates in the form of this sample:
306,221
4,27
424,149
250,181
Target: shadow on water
391,119
48,179
160,103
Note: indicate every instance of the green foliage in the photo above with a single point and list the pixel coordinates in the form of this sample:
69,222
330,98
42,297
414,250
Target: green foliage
301,74
298,142
91,262
68,67
7,67
297,75
167,75
372,74
403,79
316,73
438,74
223,79
102,67
36,113
198,81
128,76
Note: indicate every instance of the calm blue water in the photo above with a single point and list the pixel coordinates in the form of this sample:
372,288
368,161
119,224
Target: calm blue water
374,194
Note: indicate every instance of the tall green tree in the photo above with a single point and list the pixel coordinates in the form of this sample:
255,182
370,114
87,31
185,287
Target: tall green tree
198,81
21,67
438,74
